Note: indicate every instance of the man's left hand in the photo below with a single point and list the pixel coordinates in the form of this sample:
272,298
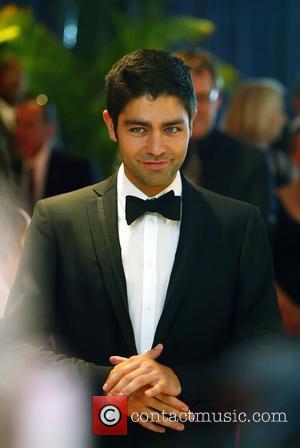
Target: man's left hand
130,374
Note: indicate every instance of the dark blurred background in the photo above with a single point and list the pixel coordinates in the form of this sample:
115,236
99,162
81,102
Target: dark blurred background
257,38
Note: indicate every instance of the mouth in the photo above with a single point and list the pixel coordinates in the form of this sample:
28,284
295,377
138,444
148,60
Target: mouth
155,165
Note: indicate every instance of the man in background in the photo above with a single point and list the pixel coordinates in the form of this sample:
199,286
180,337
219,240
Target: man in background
46,170
10,87
215,160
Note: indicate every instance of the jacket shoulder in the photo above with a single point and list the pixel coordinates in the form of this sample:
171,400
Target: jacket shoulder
70,203
222,208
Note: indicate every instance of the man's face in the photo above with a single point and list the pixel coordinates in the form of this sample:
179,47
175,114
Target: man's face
153,137
31,131
208,101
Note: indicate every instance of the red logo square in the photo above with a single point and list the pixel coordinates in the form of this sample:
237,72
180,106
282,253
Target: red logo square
109,415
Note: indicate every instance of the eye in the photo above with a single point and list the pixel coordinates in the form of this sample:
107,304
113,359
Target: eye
173,130
137,130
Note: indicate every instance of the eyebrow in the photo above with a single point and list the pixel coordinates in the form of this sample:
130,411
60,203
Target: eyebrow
136,122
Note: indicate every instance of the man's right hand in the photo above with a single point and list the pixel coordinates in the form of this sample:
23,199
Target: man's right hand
139,403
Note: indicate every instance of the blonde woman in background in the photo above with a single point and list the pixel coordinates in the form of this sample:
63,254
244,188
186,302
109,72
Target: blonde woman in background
256,115
286,244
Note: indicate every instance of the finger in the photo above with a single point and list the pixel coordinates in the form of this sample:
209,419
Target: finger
148,418
115,375
152,426
155,390
165,408
118,372
116,359
163,420
132,382
173,401
155,352
140,418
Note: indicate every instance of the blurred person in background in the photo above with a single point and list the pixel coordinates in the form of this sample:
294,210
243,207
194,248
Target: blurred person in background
294,143
216,160
295,100
283,141
286,254
46,170
11,79
13,226
256,116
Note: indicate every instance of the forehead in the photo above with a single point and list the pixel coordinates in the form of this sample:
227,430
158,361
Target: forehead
29,110
145,108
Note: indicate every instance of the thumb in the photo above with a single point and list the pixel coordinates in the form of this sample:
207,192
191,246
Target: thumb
116,359
155,352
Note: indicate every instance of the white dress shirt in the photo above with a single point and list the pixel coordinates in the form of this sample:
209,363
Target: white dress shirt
148,248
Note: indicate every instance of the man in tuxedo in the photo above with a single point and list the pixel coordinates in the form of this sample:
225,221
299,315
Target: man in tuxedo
145,284
46,170
216,160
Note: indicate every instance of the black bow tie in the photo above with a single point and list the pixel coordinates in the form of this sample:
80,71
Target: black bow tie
167,205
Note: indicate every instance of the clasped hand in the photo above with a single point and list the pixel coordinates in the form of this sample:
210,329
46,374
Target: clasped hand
130,374
149,386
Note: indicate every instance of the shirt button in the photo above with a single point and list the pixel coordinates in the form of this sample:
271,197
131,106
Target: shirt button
148,308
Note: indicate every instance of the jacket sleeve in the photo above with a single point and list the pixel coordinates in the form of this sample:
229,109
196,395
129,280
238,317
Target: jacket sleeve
257,325
31,310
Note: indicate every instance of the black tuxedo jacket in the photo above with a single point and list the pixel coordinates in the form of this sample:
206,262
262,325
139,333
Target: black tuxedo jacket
71,285
67,172
229,167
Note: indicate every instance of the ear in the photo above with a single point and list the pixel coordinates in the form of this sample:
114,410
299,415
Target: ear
110,125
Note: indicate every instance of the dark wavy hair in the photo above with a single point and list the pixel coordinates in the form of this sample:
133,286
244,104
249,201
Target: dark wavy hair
152,73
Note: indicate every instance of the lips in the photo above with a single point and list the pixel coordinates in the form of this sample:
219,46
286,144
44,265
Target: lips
155,165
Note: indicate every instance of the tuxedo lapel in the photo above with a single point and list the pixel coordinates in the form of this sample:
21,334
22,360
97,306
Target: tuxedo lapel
103,218
194,226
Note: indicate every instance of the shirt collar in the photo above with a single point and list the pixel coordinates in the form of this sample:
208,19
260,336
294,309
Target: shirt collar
125,187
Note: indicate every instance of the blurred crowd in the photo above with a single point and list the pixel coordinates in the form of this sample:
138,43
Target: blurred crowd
252,155
32,166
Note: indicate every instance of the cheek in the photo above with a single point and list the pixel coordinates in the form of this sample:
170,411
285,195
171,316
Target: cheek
180,147
128,148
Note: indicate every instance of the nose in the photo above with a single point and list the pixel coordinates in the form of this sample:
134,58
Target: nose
156,145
